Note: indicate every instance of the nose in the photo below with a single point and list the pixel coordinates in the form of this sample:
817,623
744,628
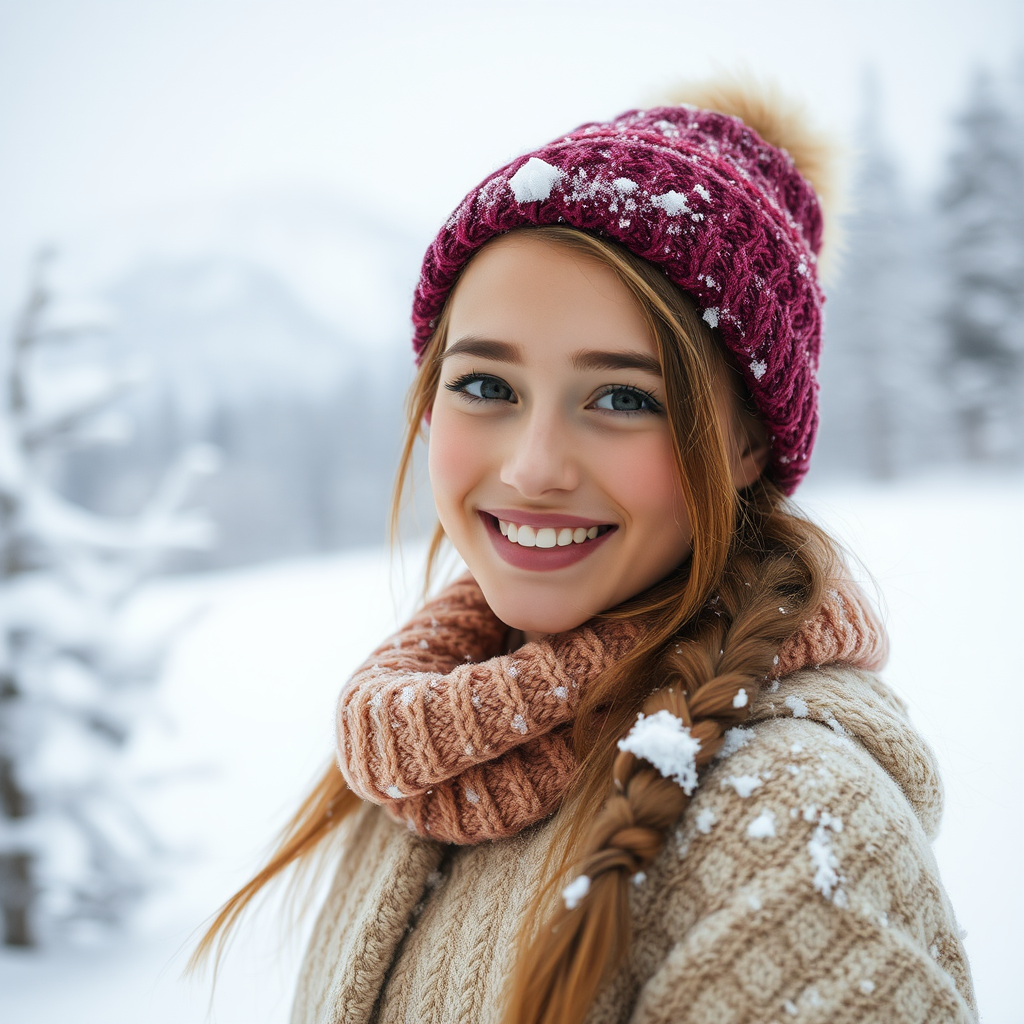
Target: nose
541,457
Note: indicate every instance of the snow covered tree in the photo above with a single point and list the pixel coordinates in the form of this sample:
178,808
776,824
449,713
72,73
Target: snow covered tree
877,350
982,208
73,844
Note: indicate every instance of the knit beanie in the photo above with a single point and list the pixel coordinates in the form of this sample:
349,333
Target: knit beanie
727,217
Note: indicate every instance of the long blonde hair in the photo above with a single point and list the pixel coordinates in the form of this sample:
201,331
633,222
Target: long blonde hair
712,627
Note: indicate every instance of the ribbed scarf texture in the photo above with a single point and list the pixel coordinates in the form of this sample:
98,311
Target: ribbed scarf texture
465,744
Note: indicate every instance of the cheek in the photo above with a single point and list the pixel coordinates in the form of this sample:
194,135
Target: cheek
451,460
644,480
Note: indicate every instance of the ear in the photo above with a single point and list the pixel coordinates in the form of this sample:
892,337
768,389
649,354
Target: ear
428,414
750,457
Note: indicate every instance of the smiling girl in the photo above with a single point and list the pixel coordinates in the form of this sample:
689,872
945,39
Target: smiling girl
637,764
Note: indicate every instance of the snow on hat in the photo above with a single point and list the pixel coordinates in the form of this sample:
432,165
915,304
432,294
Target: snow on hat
727,216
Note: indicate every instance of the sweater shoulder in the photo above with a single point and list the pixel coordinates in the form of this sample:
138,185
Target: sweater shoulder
857,705
795,788
800,874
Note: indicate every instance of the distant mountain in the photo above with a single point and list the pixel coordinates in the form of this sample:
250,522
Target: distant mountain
259,296
219,330
278,331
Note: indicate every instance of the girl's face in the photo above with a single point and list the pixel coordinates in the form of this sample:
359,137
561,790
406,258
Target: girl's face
551,459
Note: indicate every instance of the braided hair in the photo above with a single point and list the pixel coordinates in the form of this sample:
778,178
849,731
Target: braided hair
615,820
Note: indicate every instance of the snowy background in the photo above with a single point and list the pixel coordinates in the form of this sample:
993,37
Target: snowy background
237,196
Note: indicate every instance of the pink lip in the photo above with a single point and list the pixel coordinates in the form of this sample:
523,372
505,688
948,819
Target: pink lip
542,559
520,518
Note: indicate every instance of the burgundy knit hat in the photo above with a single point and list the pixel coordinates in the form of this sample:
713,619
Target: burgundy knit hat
727,217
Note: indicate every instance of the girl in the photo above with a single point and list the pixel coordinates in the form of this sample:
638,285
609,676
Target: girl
637,765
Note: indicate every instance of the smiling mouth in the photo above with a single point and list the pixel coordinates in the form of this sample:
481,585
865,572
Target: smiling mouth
548,536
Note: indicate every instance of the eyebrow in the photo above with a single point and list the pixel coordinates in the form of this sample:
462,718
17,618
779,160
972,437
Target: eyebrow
596,359
485,348
582,359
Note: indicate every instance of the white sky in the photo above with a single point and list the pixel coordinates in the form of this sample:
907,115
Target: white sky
113,109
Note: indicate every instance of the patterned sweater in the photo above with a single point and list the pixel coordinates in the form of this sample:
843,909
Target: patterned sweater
799,885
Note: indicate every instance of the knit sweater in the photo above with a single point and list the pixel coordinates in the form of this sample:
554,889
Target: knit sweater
799,884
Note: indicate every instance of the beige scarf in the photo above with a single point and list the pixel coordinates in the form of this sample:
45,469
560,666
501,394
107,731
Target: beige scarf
464,743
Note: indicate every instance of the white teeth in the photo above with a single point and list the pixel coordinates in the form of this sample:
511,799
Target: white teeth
546,536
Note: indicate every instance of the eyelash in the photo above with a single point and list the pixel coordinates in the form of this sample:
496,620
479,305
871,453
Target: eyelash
654,404
460,384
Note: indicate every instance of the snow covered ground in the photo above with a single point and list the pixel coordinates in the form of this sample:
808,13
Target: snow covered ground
249,690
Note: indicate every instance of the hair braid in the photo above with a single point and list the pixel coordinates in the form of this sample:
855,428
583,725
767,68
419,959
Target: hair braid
773,580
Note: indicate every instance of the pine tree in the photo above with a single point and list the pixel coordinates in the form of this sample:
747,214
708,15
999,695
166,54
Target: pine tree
871,367
73,843
982,209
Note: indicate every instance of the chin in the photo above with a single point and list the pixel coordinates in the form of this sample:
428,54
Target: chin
534,613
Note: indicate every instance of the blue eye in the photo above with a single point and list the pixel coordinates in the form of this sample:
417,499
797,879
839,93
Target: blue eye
480,387
623,399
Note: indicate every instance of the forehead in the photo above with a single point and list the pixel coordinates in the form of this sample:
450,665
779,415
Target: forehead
532,291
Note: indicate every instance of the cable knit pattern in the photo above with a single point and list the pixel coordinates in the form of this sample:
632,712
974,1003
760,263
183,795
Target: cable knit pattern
727,217
464,744
835,915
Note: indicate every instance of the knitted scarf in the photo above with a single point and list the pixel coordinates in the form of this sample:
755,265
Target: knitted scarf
464,743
